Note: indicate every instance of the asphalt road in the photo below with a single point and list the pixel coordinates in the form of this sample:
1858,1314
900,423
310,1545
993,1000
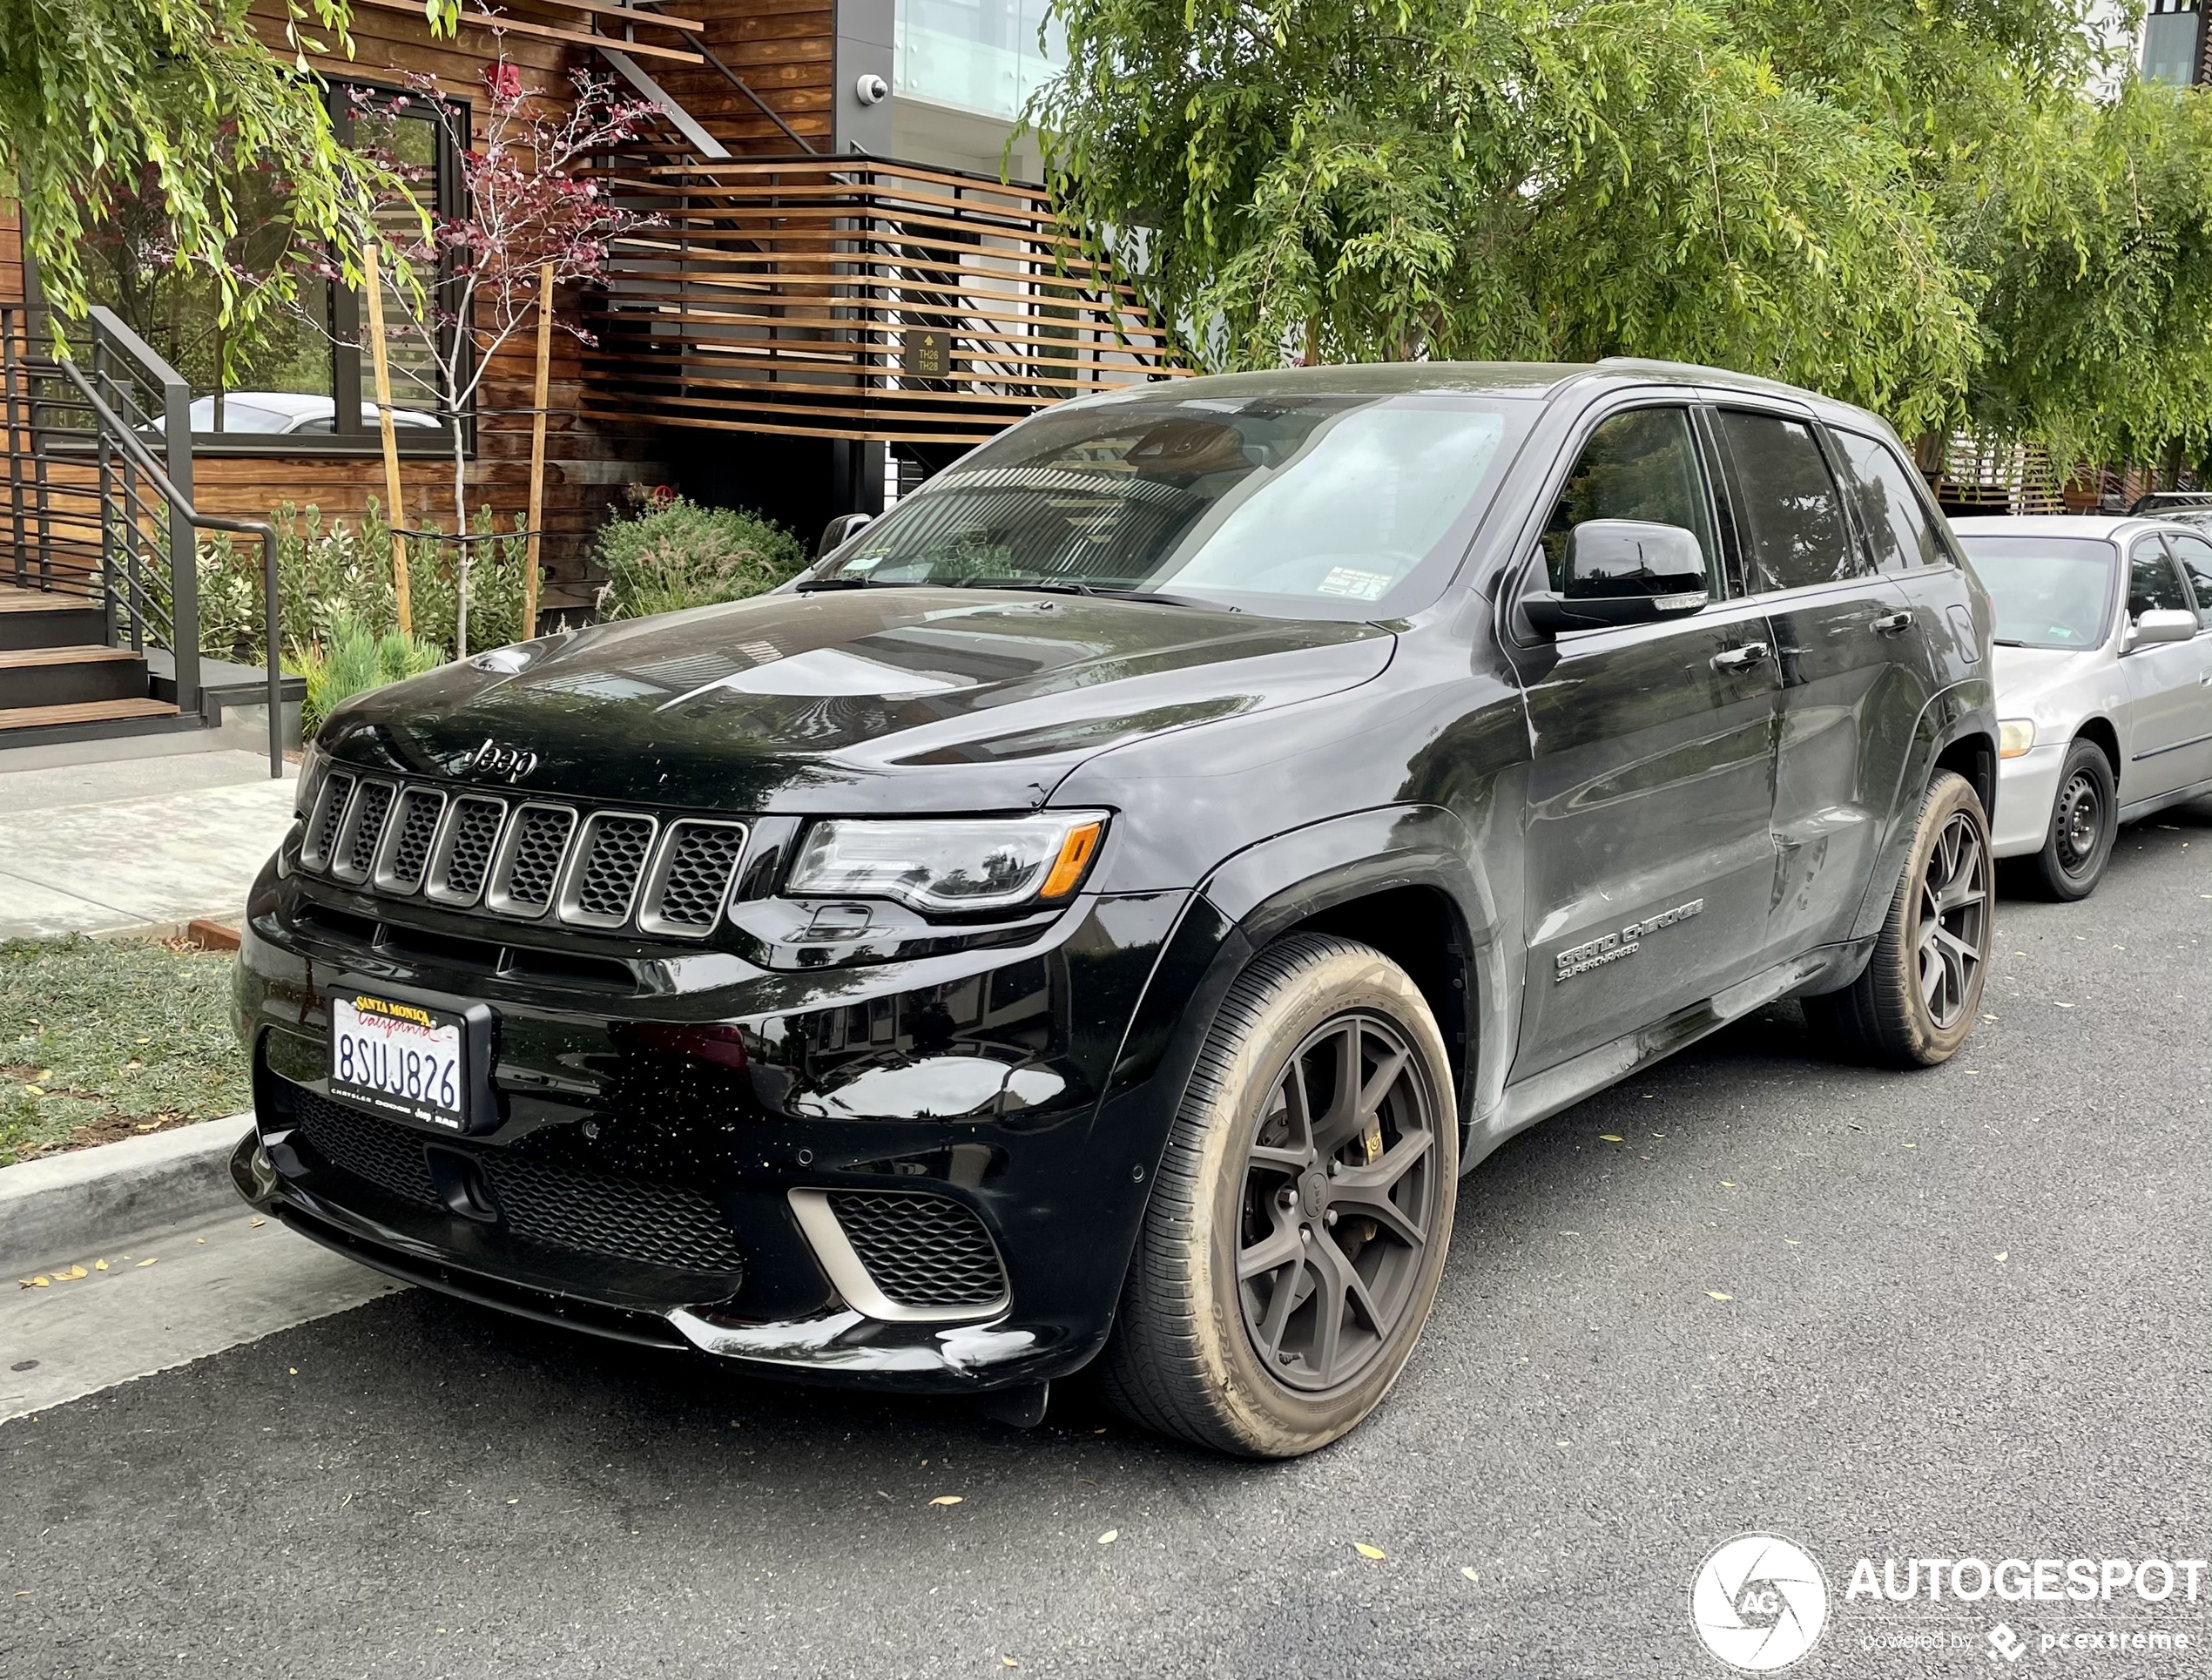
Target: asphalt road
1964,1314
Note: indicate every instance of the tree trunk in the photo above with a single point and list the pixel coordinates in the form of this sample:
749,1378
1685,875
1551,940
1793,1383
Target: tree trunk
460,539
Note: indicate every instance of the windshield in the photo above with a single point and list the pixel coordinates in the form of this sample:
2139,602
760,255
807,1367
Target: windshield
1310,506
2049,591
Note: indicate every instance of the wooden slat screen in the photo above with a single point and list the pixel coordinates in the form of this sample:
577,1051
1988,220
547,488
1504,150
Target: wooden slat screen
854,297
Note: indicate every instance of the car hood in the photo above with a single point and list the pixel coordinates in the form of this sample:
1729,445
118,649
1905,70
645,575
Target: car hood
2029,678
909,699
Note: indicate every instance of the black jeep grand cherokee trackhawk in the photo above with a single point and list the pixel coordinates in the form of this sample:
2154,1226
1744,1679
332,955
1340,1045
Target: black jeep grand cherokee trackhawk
1098,911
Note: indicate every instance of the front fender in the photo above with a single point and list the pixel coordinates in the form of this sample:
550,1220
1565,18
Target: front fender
1963,711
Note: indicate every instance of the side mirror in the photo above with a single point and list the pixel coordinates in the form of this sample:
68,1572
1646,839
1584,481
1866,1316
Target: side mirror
2162,624
1622,571
838,529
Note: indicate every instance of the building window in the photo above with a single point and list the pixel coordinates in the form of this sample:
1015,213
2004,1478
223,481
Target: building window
978,55
2172,48
303,387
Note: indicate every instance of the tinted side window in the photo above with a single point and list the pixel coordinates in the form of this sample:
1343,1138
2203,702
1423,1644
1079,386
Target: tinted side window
1887,501
1641,464
2195,555
2152,584
1788,511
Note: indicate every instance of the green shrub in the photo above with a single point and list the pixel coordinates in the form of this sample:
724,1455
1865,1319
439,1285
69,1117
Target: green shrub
677,554
354,660
326,572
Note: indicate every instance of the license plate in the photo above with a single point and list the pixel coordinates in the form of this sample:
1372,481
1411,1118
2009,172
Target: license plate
402,1059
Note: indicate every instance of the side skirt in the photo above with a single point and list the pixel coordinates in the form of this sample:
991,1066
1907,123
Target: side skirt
1542,1096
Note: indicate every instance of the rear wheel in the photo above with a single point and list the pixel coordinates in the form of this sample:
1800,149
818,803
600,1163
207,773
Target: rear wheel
1297,1228
2085,820
1916,1001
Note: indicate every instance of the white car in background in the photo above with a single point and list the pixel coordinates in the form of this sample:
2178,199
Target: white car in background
288,413
2103,655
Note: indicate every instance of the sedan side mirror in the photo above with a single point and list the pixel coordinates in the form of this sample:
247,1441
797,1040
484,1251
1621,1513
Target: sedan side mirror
1622,571
2162,624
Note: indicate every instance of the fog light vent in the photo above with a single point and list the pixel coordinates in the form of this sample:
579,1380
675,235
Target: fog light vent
922,1250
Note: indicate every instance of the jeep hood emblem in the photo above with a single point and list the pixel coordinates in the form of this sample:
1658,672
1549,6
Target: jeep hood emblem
496,759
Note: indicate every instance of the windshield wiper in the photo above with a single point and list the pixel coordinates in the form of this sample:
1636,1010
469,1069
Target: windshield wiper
1063,586
2002,641
814,583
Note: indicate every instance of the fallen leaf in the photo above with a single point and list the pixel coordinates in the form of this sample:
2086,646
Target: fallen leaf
291,1370
515,1502
1911,1146
945,1499
72,1275
99,1265
1609,1138
148,1261
257,1222
2004,1255
1365,1550
880,1493
1717,1296
2066,1006
1793,1242
1009,1663
42,1281
32,1091
1110,1536
1469,1573
1728,1183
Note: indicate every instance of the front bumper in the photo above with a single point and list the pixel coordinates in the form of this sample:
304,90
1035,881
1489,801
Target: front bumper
634,1193
2027,788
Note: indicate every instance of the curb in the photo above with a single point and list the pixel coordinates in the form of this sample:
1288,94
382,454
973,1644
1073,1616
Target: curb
99,1197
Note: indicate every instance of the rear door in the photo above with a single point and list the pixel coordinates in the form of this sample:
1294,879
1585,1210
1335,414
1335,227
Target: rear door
2169,707
1647,861
1849,700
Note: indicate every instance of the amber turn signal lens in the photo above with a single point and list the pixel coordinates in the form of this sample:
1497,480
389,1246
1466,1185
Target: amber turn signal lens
1075,858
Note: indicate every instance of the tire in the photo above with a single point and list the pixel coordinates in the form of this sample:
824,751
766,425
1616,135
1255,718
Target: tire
1250,1367
1917,997
2085,820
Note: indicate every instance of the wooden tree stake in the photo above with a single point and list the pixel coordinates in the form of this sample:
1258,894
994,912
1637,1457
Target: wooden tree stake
395,509
537,447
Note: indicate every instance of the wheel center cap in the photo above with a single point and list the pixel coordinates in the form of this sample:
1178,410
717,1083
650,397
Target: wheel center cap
1312,1192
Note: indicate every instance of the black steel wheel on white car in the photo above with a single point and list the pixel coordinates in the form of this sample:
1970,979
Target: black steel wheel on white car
2085,820
1916,1000
1299,1225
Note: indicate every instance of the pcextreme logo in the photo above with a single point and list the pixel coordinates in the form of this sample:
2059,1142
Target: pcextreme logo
1759,1602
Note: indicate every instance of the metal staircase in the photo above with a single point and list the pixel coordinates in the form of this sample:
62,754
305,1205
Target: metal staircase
99,623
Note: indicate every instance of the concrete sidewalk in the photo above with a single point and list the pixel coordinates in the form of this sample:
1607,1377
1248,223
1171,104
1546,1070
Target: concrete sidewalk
153,842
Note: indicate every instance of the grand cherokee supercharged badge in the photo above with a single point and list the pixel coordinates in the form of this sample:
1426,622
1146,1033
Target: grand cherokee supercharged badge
1611,947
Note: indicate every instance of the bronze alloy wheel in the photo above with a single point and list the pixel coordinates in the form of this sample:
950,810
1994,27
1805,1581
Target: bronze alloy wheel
1340,1188
1914,1003
1302,1211
1951,926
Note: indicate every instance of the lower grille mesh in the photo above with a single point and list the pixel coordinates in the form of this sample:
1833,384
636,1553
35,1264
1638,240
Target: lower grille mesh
923,1251
651,1224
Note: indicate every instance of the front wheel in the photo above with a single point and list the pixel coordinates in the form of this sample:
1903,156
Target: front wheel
1297,1227
1915,1002
2085,820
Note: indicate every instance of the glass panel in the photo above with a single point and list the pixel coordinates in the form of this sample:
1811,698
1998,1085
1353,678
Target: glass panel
2195,555
1309,506
2152,584
2170,47
1885,493
2049,591
979,55
1638,465
1787,510
286,368
412,143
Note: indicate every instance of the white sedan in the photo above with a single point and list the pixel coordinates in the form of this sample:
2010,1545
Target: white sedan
288,413
2104,681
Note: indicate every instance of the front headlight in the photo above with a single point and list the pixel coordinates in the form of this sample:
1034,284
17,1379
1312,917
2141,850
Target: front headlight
951,864
2015,737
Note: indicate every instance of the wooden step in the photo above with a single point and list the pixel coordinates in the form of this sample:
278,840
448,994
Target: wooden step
38,600
40,618
80,675
90,711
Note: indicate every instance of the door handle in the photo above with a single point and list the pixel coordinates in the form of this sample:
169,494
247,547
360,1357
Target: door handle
1892,623
1742,658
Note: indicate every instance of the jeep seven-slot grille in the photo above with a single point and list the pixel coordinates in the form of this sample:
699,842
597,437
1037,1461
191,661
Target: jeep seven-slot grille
923,1251
464,855
612,857
695,874
522,885
525,858
416,827
371,806
626,1218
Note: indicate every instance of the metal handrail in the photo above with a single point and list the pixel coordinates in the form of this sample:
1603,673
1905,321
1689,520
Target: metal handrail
184,519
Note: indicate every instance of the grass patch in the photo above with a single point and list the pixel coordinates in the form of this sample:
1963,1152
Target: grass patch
104,1039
